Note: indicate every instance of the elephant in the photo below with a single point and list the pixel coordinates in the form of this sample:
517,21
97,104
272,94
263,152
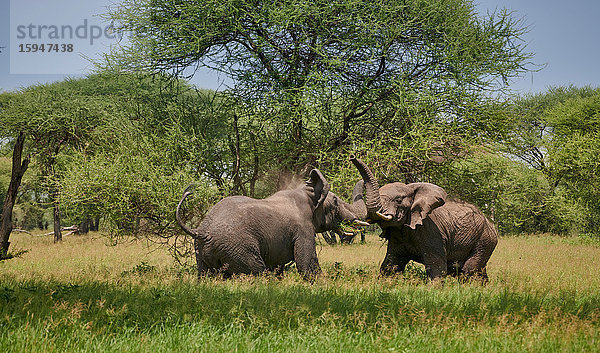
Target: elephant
449,237
243,235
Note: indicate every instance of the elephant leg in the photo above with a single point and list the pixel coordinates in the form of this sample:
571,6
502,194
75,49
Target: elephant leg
475,264
396,256
393,263
454,268
200,264
305,256
248,261
436,270
436,265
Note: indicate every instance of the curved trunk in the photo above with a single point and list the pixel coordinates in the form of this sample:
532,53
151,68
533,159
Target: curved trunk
371,186
357,193
358,208
358,203
355,211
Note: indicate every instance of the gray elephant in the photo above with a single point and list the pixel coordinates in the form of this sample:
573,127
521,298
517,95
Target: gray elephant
245,235
421,224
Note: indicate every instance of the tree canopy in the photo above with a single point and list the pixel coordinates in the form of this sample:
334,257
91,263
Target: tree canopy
320,71
413,87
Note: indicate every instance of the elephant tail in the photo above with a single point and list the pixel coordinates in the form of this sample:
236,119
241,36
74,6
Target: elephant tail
185,228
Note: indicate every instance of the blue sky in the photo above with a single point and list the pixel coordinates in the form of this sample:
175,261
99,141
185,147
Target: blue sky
564,35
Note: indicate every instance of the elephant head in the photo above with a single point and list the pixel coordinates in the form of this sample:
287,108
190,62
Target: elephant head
396,204
331,211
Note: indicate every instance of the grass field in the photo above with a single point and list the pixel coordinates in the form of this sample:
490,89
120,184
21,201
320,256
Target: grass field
86,296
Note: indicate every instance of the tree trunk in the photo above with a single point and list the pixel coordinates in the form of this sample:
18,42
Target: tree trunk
95,224
57,231
18,169
85,225
254,178
238,187
53,191
89,224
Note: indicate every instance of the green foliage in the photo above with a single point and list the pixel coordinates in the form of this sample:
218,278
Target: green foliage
573,150
32,216
285,45
140,269
134,191
557,133
267,315
529,127
5,171
54,115
519,199
319,76
135,167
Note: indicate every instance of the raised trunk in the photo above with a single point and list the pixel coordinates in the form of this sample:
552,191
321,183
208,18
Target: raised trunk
372,198
18,169
356,209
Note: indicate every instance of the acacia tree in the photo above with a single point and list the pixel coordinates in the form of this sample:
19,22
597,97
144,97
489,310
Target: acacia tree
529,125
320,72
541,174
163,135
52,118
573,146
19,167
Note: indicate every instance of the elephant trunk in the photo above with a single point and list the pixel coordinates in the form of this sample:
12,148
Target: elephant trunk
371,187
358,206
358,209
355,212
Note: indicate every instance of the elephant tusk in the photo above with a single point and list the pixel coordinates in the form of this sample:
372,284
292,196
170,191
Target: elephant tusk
361,223
384,217
341,232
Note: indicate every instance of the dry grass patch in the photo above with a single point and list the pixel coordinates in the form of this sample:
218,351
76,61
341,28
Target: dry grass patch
546,263
85,295
76,258
541,263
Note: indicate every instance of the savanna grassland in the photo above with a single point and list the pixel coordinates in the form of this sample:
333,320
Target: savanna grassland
85,295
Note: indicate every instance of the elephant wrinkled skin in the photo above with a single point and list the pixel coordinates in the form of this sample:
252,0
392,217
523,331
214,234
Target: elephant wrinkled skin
245,235
421,224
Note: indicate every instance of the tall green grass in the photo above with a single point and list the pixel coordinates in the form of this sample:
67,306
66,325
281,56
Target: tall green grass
86,296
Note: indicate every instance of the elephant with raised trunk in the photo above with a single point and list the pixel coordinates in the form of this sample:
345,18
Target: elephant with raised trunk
422,224
245,235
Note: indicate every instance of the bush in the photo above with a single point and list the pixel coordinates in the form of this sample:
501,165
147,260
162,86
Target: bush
33,216
517,198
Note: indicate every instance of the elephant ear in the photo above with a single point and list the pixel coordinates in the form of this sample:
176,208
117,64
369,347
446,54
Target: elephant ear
427,197
319,186
357,193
